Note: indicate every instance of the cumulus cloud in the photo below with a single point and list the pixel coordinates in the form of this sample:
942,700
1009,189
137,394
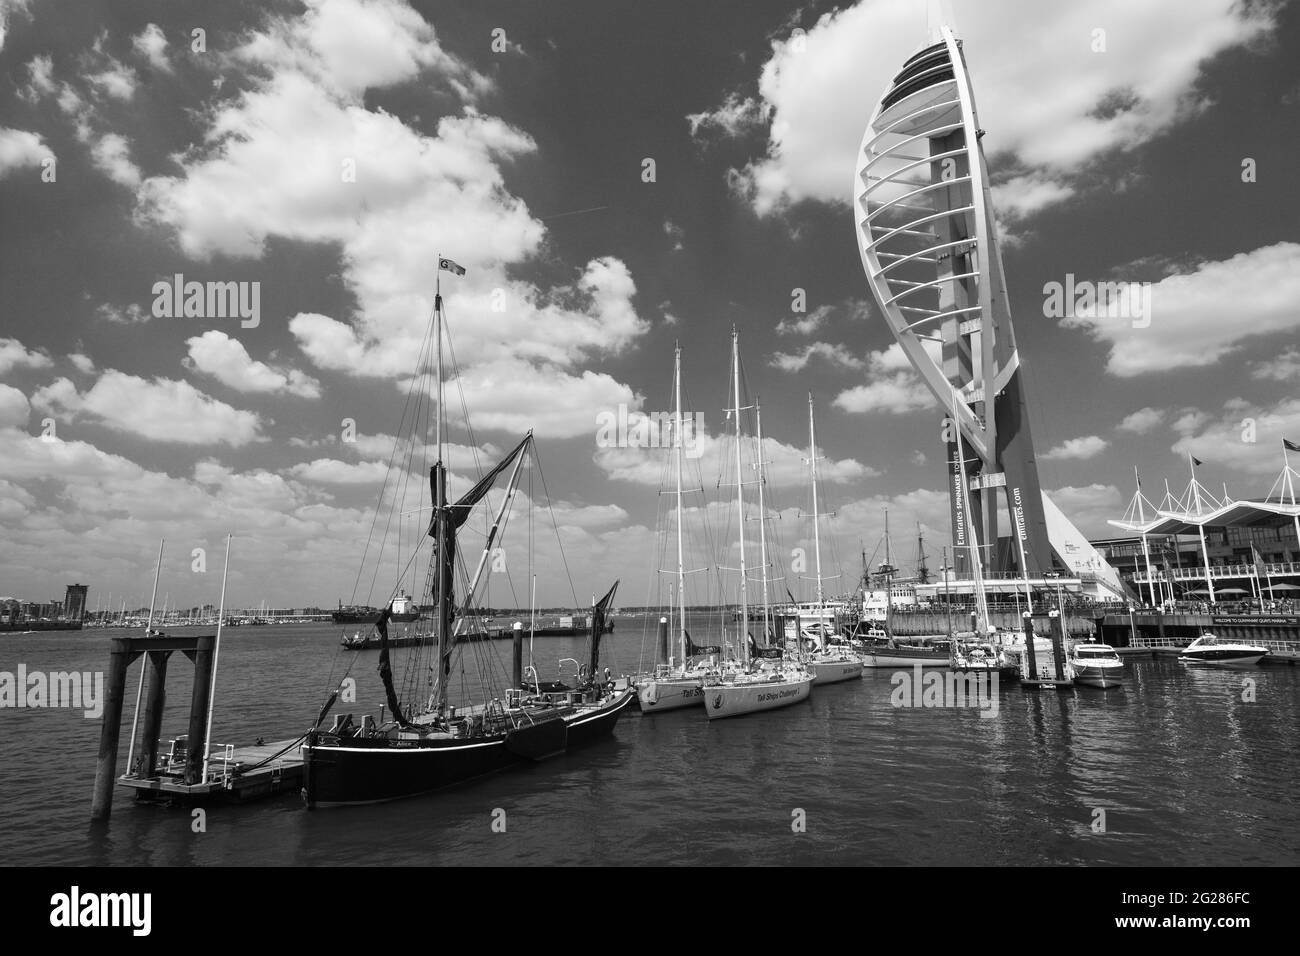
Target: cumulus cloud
14,407
20,148
13,354
1186,327
164,410
836,355
1142,421
1077,449
1085,104
299,155
1242,436
1281,368
151,43
331,471
892,387
225,359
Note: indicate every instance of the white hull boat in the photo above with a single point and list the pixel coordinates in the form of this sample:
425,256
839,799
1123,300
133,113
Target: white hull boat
669,693
1212,651
751,693
834,668
1097,665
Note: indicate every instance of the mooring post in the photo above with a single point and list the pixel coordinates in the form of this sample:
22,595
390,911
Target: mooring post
1029,647
197,742
153,710
1058,647
663,640
119,657
518,635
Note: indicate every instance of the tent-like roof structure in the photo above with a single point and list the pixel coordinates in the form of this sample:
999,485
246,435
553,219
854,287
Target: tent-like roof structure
1250,513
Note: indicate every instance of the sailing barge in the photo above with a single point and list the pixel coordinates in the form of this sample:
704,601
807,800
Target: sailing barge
429,742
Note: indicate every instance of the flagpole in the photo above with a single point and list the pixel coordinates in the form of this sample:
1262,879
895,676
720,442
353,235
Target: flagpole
1200,528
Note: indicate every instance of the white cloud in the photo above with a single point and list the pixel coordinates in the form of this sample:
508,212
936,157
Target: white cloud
40,78
735,115
20,148
162,410
1243,436
1281,368
676,234
225,359
1022,196
836,355
350,46
515,396
806,325
277,161
893,386
1084,106
122,315
1187,328
331,471
8,7
82,363
151,43
1077,449
13,354
111,154
14,407
712,455
1142,421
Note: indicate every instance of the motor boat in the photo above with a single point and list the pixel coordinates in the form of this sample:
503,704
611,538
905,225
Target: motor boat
1216,652
1097,665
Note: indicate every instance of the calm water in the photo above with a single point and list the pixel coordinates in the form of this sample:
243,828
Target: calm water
1186,771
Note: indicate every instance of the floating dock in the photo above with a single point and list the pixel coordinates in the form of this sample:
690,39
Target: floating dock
235,774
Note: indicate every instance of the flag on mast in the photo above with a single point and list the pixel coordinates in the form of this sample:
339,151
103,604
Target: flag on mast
451,267
1290,445
1196,461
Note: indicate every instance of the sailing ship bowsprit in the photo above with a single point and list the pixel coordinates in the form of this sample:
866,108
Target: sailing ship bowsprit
429,742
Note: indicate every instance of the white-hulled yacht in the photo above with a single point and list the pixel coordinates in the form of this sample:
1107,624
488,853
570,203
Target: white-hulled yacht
1096,665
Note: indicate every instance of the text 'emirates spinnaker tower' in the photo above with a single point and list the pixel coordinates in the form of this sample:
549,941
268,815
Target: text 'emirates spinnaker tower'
929,246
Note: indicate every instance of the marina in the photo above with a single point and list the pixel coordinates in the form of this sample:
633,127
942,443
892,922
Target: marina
804,437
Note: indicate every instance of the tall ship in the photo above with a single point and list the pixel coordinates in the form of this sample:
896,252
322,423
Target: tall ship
449,714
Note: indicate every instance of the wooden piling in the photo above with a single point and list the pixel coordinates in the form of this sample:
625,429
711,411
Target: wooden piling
1030,654
197,742
101,804
1058,646
153,712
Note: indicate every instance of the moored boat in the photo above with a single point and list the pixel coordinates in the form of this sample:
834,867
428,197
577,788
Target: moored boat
429,738
1097,665
1216,652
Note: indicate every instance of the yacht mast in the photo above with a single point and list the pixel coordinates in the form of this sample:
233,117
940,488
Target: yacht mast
817,540
762,517
740,497
681,549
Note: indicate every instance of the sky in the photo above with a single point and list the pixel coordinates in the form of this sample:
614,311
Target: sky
615,177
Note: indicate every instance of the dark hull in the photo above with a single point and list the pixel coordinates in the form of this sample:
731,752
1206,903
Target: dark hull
358,773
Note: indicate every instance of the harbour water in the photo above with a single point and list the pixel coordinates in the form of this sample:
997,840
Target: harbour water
1186,771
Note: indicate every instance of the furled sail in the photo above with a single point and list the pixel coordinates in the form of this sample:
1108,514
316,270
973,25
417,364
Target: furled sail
446,520
386,667
598,627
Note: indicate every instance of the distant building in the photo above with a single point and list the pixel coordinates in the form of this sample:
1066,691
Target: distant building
74,601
